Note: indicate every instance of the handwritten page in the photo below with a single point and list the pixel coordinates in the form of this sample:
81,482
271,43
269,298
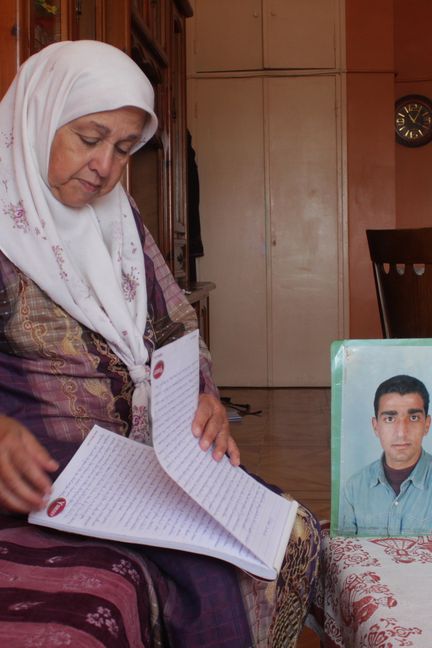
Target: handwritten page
252,513
115,488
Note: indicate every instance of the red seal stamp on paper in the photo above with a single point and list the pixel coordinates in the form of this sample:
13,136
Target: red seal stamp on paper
158,369
56,507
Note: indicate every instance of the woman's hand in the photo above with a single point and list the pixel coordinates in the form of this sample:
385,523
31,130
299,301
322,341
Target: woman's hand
212,427
24,484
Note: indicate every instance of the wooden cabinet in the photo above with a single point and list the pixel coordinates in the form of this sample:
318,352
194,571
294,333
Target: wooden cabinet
9,43
158,172
299,34
218,26
199,298
265,34
270,158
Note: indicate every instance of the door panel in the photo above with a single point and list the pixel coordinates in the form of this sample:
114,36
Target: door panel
267,152
304,217
227,134
228,35
300,33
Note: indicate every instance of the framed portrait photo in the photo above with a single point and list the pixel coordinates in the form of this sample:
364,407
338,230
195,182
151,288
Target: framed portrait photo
381,448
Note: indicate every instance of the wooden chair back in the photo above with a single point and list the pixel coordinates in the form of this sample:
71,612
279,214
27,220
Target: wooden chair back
402,264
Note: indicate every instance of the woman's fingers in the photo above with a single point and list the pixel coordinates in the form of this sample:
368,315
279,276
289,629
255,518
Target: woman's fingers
39,457
23,466
211,426
233,451
16,495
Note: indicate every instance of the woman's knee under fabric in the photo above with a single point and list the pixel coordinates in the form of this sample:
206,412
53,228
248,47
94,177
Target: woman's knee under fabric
277,610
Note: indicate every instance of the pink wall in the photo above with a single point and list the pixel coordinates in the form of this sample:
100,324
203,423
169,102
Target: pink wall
370,149
389,54
413,65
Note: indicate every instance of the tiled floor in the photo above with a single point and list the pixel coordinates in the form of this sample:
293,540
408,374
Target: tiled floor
289,445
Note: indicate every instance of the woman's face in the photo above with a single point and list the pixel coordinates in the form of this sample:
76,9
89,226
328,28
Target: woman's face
88,154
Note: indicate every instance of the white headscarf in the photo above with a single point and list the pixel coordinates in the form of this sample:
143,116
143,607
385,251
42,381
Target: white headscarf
88,260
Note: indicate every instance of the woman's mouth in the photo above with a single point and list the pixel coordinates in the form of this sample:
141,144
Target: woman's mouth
89,186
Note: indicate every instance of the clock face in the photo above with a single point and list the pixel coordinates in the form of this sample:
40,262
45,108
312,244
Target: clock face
413,120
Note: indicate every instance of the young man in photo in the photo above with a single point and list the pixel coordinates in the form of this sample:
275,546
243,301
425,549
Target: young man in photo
392,496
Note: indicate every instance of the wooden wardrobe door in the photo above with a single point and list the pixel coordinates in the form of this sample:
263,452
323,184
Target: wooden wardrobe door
227,133
299,34
228,35
305,261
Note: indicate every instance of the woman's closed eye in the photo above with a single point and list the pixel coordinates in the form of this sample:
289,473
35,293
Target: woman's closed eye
89,141
122,148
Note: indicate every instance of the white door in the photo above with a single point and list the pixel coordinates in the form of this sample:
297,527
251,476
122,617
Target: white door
304,215
268,164
226,120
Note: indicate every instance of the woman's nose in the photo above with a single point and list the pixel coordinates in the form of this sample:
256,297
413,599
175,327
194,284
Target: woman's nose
102,160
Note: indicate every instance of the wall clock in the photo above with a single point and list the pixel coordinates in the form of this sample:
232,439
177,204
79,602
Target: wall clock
413,120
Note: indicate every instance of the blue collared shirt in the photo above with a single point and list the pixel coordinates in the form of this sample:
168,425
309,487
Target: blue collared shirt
370,507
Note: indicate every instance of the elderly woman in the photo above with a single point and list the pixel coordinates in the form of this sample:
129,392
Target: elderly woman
85,297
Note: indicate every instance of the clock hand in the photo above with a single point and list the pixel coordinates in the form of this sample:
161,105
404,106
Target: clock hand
418,113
